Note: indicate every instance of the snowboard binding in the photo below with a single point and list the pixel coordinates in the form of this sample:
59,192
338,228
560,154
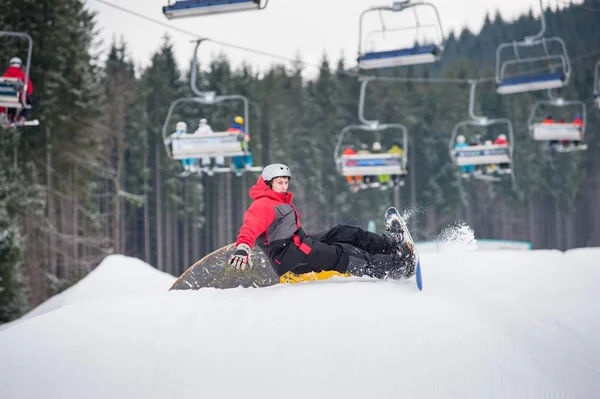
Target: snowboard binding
405,250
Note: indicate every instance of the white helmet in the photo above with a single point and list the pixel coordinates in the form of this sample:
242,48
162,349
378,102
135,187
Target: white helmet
377,146
15,61
203,121
181,127
488,142
502,136
275,170
460,139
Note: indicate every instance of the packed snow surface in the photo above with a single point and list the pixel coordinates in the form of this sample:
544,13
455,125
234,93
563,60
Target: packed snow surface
115,275
487,325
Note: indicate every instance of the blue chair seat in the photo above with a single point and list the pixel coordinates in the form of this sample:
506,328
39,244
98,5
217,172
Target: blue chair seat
417,50
525,79
189,4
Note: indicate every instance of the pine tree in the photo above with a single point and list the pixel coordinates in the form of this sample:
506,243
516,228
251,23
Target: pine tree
20,197
162,85
121,143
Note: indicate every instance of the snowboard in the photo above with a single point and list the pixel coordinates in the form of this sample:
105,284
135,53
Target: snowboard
214,271
398,229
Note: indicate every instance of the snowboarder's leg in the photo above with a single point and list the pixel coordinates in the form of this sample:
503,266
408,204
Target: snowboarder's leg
396,226
382,266
26,112
357,237
321,257
342,258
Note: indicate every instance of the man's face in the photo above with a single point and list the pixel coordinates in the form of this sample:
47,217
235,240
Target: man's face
280,184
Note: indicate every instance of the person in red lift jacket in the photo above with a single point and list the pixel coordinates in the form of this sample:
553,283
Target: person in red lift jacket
501,139
579,123
273,223
14,71
351,179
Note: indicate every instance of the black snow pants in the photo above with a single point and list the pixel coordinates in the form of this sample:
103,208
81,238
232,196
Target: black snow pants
343,249
25,112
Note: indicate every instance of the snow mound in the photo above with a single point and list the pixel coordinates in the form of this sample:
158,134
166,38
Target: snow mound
115,275
488,325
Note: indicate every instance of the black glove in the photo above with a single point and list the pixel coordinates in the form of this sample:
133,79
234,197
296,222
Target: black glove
241,257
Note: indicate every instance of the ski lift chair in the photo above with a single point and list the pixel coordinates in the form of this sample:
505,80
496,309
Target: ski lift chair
418,54
370,164
194,8
558,132
197,146
597,84
556,70
13,91
492,154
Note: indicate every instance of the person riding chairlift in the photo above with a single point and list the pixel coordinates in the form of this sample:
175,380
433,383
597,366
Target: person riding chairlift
353,181
15,71
461,143
578,122
241,161
203,129
501,139
396,148
187,163
548,120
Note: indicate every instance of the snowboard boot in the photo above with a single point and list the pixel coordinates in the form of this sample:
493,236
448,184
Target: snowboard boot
402,248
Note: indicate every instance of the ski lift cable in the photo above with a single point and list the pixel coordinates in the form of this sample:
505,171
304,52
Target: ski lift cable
198,37
318,66
416,80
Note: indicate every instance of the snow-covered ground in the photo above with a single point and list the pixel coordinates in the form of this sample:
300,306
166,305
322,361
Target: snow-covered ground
487,325
115,275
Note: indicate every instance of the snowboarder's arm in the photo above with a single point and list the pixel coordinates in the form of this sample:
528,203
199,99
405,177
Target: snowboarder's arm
256,221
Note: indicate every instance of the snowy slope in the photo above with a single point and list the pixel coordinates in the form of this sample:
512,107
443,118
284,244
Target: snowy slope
115,275
487,325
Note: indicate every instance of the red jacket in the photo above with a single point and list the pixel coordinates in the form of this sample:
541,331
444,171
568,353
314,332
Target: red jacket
271,214
500,141
349,151
16,72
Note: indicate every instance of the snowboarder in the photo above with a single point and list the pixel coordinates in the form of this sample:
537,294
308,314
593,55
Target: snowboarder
274,224
15,71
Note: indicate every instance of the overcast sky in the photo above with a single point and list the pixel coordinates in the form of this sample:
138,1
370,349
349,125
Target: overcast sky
286,27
